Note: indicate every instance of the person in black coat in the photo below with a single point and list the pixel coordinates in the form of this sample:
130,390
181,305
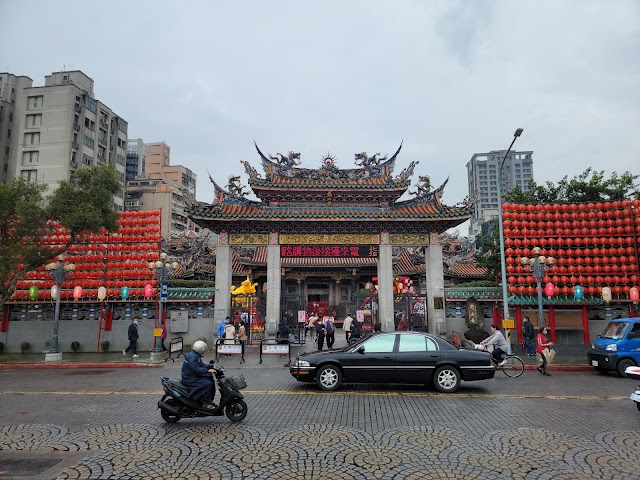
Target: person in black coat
132,333
283,332
197,376
320,332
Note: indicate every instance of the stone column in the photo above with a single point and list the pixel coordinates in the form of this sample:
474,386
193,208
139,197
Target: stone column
435,286
385,284
274,284
222,304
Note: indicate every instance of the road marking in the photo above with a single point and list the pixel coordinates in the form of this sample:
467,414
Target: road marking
350,394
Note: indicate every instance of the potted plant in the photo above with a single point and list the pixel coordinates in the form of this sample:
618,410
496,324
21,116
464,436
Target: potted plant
24,347
105,345
75,346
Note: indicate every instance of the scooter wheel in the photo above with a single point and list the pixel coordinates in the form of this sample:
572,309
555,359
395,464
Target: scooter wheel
166,416
236,410
638,405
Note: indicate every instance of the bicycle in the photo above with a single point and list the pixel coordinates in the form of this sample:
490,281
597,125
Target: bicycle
513,365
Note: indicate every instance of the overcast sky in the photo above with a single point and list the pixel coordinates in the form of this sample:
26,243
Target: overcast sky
450,78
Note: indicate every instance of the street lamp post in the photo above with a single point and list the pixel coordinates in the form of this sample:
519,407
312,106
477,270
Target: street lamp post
538,265
59,272
161,268
503,268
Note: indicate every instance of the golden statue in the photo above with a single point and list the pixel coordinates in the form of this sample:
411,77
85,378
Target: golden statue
245,288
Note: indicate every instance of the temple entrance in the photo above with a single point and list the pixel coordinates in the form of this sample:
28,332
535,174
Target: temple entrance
410,312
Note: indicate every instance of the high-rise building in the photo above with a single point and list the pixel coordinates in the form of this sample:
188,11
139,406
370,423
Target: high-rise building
135,158
482,176
161,185
59,127
11,110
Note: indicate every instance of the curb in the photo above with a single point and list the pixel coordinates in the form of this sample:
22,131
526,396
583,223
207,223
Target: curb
565,368
9,366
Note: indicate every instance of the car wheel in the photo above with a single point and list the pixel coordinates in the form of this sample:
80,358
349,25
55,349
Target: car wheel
329,378
623,364
447,379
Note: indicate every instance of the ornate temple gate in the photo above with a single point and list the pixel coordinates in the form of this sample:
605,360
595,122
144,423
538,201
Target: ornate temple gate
335,218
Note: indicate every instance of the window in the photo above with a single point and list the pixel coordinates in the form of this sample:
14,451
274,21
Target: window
34,120
90,104
9,133
29,157
120,160
73,158
6,151
101,152
32,138
102,136
416,343
35,102
88,141
30,175
87,160
380,344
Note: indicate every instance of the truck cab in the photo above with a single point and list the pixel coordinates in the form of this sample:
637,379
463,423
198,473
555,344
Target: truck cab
618,347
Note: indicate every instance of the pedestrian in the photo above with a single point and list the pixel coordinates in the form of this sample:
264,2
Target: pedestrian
541,344
528,333
377,327
283,332
242,336
346,326
355,332
163,335
221,326
132,333
320,333
312,325
330,332
229,334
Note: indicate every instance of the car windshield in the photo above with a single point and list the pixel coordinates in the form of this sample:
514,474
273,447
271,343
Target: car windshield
615,330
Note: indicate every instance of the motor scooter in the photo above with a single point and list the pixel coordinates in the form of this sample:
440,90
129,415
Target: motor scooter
176,404
634,372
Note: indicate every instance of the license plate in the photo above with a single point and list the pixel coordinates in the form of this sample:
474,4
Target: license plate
594,363
635,396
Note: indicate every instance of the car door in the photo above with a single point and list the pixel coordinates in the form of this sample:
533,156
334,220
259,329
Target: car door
416,358
374,360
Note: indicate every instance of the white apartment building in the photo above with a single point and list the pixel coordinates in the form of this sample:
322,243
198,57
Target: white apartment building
482,176
60,127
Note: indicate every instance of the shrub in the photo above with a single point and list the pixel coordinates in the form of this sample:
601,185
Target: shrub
24,347
75,346
105,345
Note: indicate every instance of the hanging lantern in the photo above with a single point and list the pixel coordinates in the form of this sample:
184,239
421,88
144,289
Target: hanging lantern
125,293
148,291
577,292
54,292
633,294
33,292
77,293
606,294
549,289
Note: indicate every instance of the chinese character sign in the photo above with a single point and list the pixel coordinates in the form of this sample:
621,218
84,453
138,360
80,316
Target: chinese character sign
338,251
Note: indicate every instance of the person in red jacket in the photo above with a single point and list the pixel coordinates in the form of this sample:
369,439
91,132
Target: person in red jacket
541,344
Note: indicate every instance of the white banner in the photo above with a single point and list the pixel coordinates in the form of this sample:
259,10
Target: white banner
230,349
275,349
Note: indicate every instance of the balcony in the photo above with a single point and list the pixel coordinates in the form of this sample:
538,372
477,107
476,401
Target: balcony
78,108
104,123
76,127
75,145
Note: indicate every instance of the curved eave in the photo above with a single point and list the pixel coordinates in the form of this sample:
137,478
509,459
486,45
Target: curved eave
292,184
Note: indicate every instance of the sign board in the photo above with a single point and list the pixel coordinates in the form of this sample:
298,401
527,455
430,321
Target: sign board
157,332
164,292
508,323
235,349
302,316
179,321
275,349
323,251
175,346
360,316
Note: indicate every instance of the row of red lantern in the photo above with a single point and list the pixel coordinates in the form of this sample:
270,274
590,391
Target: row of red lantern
556,216
591,290
570,241
576,232
573,207
570,252
573,279
614,267
575,223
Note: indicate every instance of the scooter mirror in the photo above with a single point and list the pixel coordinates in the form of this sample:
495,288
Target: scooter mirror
211,362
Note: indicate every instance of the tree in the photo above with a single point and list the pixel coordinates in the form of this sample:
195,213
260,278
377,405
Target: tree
589,186
489,256
84,204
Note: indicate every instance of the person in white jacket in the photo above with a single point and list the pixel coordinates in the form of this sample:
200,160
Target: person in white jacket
346,326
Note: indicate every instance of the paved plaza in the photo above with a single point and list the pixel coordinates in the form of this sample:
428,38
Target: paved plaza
104,423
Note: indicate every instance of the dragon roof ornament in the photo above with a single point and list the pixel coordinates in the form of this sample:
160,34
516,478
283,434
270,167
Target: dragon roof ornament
281,166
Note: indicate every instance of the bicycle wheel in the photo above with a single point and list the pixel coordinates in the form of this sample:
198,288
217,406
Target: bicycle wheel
513,367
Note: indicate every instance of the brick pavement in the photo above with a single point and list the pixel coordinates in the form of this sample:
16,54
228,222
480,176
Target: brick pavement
103,423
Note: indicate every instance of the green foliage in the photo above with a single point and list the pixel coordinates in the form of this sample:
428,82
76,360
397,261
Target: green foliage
589,186
490,258
84,204
178,283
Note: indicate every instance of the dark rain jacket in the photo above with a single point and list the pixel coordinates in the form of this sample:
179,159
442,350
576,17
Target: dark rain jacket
133,332
196,377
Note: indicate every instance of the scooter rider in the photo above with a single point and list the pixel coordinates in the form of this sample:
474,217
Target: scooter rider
197,376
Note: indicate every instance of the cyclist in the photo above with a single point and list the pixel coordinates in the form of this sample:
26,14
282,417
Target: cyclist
499,344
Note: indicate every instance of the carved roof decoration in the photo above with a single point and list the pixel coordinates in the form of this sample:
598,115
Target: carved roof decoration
351,198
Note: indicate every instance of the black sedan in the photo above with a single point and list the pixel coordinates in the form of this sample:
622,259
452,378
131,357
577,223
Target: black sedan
394,357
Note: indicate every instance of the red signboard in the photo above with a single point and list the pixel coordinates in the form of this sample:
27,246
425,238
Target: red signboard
339,251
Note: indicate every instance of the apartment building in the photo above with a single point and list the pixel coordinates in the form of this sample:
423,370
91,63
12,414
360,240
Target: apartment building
136,158
11,110
160,194
60,127
158,165
482,177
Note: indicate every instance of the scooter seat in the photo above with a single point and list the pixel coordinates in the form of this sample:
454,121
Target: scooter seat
176,384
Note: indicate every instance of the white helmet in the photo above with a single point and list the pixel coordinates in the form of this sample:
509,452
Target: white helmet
200,347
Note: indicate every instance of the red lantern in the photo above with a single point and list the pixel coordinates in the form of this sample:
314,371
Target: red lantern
633,294
549,289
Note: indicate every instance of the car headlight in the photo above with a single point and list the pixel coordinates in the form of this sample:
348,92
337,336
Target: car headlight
613,347
301,363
